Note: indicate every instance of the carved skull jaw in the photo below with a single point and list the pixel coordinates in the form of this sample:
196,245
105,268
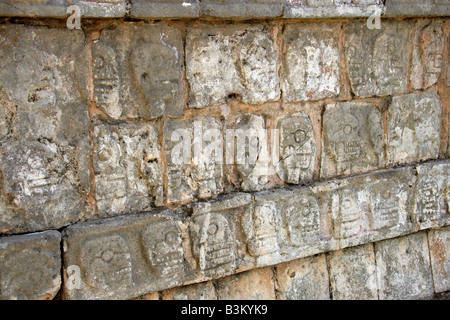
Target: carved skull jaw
303,227
169,265
428,205
350,216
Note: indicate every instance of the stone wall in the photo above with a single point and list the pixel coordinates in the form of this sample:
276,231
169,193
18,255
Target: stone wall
261,149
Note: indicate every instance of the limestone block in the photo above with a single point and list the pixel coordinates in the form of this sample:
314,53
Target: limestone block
246,152
403,268
311,64
377,59
30,266
128,168
194,155
332,8
411,8
242,8
230,60
44,151
428,53
125,257
165,9
138,71
439,240
431,195
33,8
353,273
303,279
414,125
216,232
257,284
100,8
198,291
352,139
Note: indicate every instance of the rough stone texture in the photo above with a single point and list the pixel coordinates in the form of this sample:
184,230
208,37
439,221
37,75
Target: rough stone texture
414,125
353,273
128,168
125,257
45,139
246,152
33,8
297,148
303,279
439,241
403,268
198,291
411,8
138,71
30,266
242,8
257,284
311,62
332,8
165,9
352,139
431,195
194,157
230,60
100,8
378,59
427,55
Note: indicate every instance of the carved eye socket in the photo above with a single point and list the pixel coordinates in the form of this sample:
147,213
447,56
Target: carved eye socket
347,129
36,275
104,154
107,255
386,194
346,203
171,237
158,60
98,62
18,56
212,229
300,136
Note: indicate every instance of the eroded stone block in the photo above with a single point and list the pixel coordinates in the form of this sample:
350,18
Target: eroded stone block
165,9
378,59
33,8
194,155
138,71
427,55
403,268
431,195
229,60
311,64
297,148
413,8
45,147
128,168
352,139
242,8
414,125
30,266
303,279
332,8
440,258
100,8
198,291
353,273
217,240
257,284
246,152
125,257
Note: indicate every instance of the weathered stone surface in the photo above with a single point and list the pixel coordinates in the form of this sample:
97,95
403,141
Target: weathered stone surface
257,284
242,8
311,64
403,268
439,241
414,125
411,8
378,59
353,273
352,139
230,60
198,291
30,266
303,279
165,9
216,232
332,8
297,148
427,55
194,157
45,144
138,71
33,8
246,152
100,8
128,168
431,195
126,257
